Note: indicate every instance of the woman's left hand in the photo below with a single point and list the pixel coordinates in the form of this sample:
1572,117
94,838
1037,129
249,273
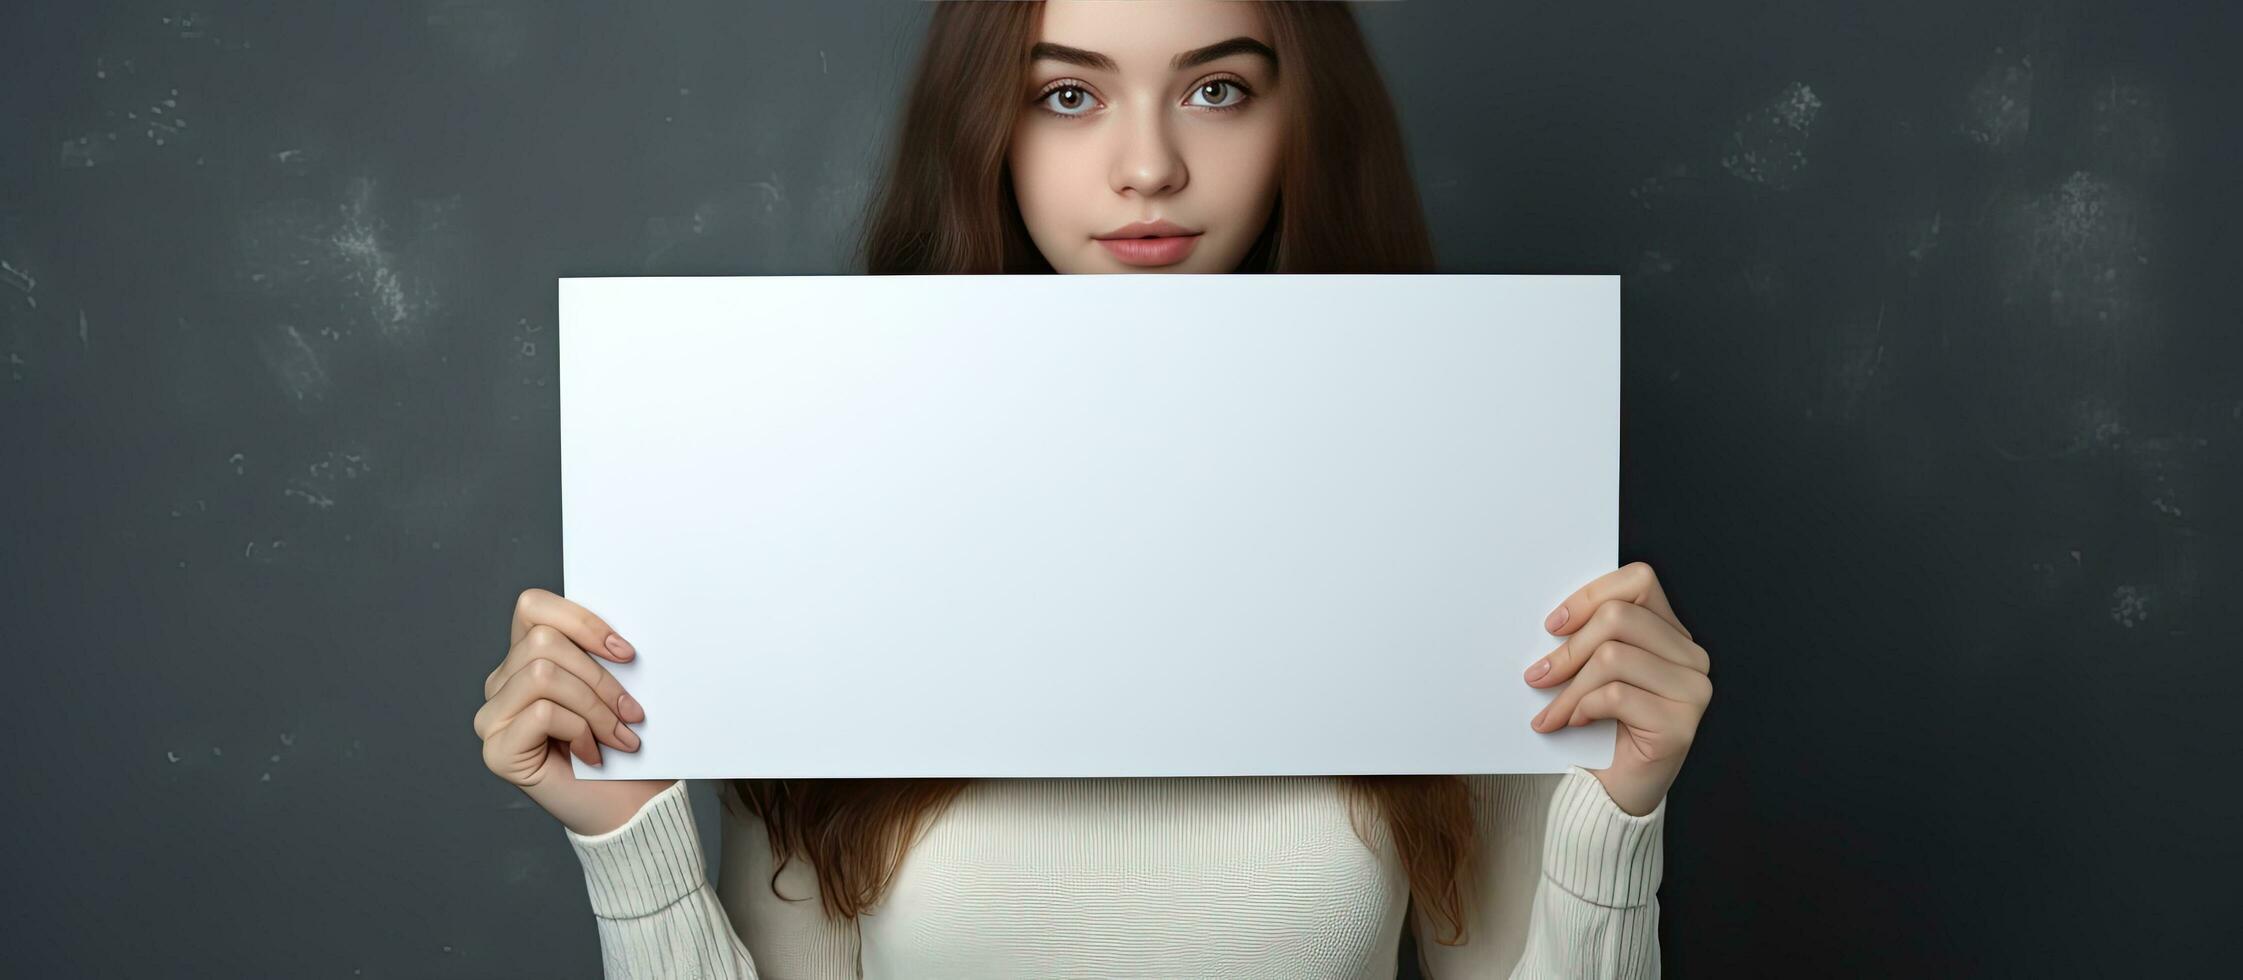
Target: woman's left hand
1630,660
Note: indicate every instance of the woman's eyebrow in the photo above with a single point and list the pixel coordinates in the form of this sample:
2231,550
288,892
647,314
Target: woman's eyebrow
1197,56
1220,49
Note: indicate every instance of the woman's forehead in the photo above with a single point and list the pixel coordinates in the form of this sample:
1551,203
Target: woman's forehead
1145,36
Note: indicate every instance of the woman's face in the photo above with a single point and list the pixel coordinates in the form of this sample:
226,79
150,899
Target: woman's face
1144,113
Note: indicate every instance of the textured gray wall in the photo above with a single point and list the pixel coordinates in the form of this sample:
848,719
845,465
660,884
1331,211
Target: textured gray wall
1931,399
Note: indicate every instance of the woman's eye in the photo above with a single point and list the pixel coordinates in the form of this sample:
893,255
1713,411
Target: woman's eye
1068,101
1216,91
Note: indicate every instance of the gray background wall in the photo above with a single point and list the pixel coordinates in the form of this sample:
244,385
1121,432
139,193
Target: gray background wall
1931,400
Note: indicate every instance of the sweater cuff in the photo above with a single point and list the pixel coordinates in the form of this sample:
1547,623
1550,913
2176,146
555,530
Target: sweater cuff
647,864
1599,852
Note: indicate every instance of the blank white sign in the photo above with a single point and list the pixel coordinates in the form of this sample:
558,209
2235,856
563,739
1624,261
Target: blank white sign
1119,525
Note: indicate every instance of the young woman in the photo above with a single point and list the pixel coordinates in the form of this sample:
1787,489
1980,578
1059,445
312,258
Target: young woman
1133,137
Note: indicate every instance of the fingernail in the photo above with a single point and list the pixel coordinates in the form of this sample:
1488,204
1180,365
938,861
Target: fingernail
596,755
1556,619
620,647
1540,668
1537,723
629,738
629,706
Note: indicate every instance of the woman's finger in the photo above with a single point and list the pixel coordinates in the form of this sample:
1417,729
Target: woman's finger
521,744
1617,661
542,679
1633,582
546,643
1625,622
1640,710
538,607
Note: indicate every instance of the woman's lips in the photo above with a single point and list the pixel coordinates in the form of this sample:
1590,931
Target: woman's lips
1163,250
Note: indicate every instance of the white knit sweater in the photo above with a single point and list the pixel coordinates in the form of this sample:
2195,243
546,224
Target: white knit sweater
1144,877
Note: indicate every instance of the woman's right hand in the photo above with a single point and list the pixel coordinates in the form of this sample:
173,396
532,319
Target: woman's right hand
549,698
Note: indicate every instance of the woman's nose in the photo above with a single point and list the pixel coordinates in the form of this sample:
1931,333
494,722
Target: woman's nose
1148,160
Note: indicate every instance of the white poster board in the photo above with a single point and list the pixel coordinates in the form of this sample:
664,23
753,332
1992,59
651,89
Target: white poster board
1109,525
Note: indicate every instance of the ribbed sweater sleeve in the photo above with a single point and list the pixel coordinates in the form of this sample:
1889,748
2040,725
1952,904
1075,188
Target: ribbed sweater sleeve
1567,884
657,915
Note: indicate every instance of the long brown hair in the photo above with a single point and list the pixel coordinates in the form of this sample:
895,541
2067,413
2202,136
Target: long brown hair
947,207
